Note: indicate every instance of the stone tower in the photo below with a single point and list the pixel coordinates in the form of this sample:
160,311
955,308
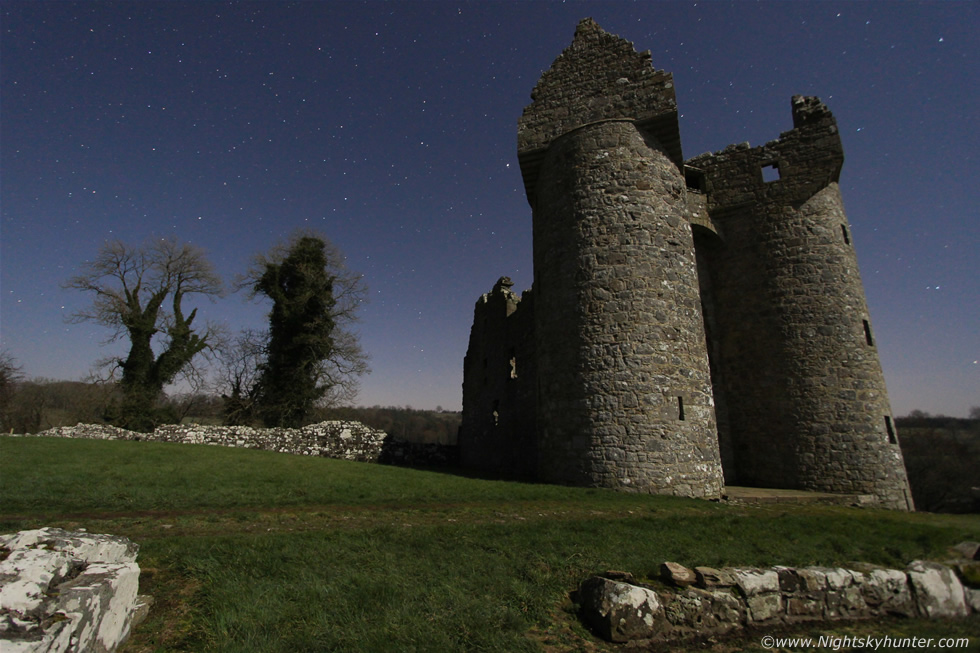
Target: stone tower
624,390
692,323
790,323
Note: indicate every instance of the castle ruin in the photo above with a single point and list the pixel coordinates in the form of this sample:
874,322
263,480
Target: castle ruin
691,323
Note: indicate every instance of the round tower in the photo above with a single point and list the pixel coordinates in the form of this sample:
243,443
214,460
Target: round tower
845,439
624,392
810,409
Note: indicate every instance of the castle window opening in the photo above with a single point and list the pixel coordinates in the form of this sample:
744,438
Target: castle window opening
680,408
847,236
694,179
891,430
867,333
513,364
770,173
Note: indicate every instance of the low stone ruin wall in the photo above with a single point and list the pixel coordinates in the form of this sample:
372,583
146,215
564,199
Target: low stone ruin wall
66,591
706,603
336,439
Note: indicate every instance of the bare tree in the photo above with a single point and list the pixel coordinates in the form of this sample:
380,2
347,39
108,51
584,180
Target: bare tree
238,373
139,292
10,376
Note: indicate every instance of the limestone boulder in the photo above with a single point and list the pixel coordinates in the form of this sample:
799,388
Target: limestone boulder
677,574
972,597
619,611
937,590
711,578
101,600
887,592
66,591
753,582
696,612
760,587
968,550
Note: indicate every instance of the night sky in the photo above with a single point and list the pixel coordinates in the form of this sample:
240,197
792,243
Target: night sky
392,129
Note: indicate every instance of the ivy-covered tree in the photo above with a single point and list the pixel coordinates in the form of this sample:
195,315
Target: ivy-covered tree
139,293
310,354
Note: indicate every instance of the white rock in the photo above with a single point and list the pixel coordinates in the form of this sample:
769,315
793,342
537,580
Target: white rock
764,607
972,597
90,580
756,581
27,575
937,590
620,611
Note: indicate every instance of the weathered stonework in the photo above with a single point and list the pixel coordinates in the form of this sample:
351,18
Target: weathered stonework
726,601
498,408
336,439
692,323
68,592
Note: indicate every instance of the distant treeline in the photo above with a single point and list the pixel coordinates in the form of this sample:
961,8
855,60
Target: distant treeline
433,426
942,455
40,404
918,419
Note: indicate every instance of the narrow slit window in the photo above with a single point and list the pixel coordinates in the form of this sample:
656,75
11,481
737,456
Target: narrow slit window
847,236
890,429
770,173
867,334
680,408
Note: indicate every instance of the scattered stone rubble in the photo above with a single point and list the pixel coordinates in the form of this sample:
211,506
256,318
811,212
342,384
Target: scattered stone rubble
64,591
707,603
334,439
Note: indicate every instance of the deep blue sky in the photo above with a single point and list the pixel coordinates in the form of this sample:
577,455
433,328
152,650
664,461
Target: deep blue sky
391,127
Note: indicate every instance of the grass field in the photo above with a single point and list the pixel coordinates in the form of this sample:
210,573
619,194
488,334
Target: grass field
256,551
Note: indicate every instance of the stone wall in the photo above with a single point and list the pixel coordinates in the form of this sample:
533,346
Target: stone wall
66,591
499,385
337,439
706,603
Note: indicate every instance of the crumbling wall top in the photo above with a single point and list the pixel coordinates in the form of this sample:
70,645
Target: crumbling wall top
598,77
809,110
801,162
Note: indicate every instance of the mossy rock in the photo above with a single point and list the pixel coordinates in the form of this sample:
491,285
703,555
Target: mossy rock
969,573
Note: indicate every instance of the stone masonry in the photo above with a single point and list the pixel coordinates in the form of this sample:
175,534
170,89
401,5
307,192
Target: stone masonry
333,439
707,603
692,323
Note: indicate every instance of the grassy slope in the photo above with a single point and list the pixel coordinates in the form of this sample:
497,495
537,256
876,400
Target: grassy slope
255,551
